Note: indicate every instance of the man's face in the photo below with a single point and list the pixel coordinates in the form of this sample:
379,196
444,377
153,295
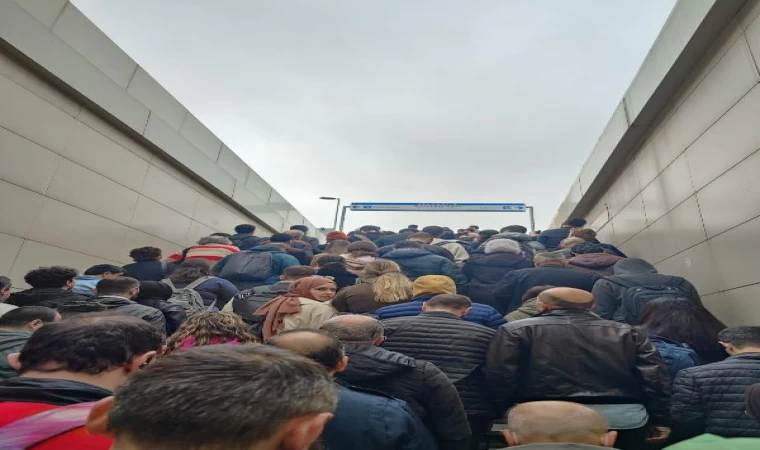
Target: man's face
4,294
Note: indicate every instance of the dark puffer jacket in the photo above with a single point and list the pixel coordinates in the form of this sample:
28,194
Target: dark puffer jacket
574,355
599,264
48,297
456,347
118,305
420,384
416,262
245,241
480,314
508,293
434,249
710,398
213,290
484,272
552,238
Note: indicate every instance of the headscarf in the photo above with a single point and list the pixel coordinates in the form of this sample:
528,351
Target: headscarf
275,310
752,401
433,284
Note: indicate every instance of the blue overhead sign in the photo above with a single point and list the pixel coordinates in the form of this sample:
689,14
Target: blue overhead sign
460,207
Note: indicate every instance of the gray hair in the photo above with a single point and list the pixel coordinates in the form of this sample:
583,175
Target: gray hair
502,246
214,240
571,242
549,257
354,328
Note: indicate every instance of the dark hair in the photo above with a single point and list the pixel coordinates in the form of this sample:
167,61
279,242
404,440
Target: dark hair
419,235
89,344
741,337
407,244
369,228
485,234
453,301
190,271
19,317
413,227
303,228
245,228
50,277
575,222
145,254
115,286
433,230
280,237
332,262
298,272
100,269
447,235
212,397
152,290
682,320
227,235
407,230
5,283
323,348
534,291
586,248
514,229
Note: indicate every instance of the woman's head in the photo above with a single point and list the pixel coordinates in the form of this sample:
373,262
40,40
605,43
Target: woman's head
332,262
191,270
337,247
682,320
207,328
388,283
587,234
317,288
362,248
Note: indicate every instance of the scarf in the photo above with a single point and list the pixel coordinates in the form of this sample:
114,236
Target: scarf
275,310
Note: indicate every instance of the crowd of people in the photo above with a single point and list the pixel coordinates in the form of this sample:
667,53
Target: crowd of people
419,339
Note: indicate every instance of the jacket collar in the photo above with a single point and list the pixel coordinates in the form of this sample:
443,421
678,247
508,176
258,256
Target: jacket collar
567,313
50,391
442,314
752,356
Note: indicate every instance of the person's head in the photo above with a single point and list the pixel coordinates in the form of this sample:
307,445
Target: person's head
407,244
302,228
317,345
294,273
564,298
546,422
355,329
571,242
219,240
546,259
422,237
434,231
752,402
332,262
433,285
317,288
245,228
118,287
5,288
459,305
97,349
388,283
154,290
534,291
738,340
337,247
484,235
220,397
297,235
282,238
362,248
227,235
681,320
105,271
145,254
191,270
587,234
208,328
336,235
28,318
369,229
514,229
586,248
574,222
51,277
502,246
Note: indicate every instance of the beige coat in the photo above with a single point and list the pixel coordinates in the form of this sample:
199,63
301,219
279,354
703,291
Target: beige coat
456,249
313,314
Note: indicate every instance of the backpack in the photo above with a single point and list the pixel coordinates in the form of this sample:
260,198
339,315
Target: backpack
256,266
30,431
187,297
636,298
677,356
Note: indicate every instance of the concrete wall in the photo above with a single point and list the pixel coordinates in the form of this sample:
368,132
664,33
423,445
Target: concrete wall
686,196
97,158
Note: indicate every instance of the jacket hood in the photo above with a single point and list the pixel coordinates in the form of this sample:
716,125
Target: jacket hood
500,259
595,260
10,339
633,265
403,253
519,237
370,362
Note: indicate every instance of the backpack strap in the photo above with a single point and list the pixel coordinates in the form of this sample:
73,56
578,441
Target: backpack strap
197,282
29,431
169,283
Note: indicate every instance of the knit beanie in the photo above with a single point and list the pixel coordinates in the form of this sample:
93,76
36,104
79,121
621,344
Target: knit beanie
433,284
336,235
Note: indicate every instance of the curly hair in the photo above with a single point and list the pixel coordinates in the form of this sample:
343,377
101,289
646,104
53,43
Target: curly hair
50,277
190,271
204,326
145,254
332,262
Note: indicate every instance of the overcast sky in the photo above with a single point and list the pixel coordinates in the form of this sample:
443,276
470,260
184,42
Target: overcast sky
397,100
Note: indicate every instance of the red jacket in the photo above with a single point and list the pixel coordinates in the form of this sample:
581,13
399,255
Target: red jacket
76,439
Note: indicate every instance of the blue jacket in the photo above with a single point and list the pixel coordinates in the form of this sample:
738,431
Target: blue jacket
280,262
85,285
677,356
482,314
371,420
417,262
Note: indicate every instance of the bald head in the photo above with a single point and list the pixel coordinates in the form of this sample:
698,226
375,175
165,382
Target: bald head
553,421
355,329
314,344
564,298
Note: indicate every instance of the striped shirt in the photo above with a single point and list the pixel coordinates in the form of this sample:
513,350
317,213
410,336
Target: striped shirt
210,252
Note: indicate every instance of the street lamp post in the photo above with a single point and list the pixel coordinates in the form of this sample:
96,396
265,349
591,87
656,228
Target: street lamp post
337,209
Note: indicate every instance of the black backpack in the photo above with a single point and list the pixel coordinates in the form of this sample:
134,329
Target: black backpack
636,297
256,266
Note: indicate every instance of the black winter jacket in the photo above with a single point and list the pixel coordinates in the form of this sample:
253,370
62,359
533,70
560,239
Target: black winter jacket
245,241
710,398
416,262
48,297
574,355
423,386
149,270
507,296
455,346
434,249
118,305
552,238
484,272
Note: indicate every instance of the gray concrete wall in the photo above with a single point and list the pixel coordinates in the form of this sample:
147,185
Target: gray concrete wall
686,195
98,158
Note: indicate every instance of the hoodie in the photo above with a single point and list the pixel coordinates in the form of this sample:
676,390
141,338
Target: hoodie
426,389
11,342
600,264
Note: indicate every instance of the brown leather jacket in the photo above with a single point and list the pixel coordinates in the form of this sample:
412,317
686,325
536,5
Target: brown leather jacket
575,355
